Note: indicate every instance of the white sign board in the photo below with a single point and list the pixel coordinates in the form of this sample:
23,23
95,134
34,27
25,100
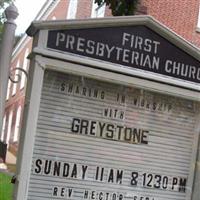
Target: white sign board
97,140
100,122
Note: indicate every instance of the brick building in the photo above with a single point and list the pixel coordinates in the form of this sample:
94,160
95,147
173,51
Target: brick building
180,16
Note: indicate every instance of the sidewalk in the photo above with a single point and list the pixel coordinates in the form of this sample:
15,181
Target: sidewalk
10,158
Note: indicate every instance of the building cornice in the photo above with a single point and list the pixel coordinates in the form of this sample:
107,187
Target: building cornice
46,9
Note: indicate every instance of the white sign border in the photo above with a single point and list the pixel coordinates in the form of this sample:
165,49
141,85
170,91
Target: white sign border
32,102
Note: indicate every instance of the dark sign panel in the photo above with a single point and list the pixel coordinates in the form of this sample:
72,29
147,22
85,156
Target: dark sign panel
135,47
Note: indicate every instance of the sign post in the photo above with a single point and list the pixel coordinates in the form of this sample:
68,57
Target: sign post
110,116
6,48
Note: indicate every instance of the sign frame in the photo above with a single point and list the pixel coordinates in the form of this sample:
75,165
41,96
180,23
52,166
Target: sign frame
42,59
32,104
147,21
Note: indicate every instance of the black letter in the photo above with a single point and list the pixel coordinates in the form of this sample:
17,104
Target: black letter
62,193
84,168
92,127
111,176
74,172
134,178
55,191
65,172
182,184
101,126
144,138
56,169
84,126
47,167
174,182
62,87
77,126
85,194
38,162
119,176
110,131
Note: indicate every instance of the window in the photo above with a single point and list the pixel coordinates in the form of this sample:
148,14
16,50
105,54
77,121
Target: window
25,67
198,21
3,128
17,124
71,14
98,11
8,90
15,84
9,127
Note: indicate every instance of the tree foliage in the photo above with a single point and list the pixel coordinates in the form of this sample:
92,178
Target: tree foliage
3,4
120,7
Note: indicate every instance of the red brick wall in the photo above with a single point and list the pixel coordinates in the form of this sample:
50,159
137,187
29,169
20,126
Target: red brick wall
108,12
17,99
13,107
84,9
19,57
60,11
179,15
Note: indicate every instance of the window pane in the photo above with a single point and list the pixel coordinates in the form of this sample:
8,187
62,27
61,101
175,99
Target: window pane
72,9
17,124
25,67
9,128
3,128
15,84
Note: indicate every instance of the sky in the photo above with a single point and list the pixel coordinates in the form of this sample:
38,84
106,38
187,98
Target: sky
28,10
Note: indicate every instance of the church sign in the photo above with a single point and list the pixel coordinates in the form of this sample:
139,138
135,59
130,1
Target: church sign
96,133
105,142
135,47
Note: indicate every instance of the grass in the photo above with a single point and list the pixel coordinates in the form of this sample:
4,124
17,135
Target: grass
6,187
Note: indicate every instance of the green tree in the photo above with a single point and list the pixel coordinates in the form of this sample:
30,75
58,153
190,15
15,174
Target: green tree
120,7
3,4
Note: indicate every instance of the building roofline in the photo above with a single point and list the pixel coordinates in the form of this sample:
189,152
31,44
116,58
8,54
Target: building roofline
45,10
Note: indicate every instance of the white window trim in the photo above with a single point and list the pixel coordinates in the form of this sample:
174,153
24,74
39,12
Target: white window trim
3,128
15,84
17,124
8,90
25,67
72,9
96,9
198,21
9,128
